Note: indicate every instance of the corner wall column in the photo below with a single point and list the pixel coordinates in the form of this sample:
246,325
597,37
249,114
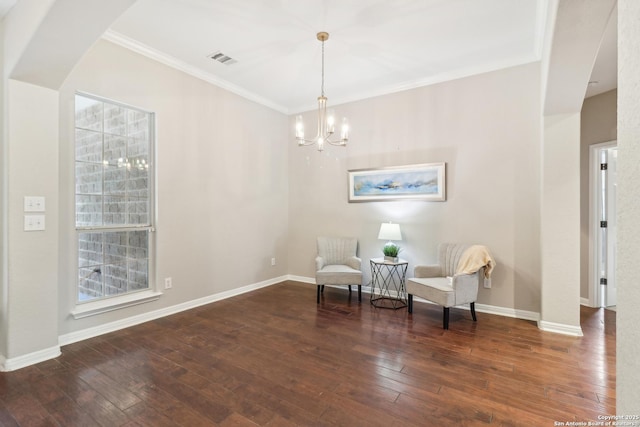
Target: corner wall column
560,225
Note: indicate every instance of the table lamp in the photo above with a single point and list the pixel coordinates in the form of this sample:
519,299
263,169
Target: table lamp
390,231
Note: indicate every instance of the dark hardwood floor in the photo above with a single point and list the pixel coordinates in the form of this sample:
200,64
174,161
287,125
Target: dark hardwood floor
273,357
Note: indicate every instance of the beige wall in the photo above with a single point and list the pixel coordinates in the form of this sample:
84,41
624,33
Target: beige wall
3,216
486,128
222,200
33,256
597,124
628,332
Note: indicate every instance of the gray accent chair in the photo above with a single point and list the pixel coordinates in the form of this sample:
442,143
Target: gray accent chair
440,283
337,264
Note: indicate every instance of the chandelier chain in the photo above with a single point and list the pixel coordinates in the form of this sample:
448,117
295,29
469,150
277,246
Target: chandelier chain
322,85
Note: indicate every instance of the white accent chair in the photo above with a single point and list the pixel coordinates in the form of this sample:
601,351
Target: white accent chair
337,264
442,285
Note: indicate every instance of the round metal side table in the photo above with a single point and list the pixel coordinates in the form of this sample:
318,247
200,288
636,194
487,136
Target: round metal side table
388,288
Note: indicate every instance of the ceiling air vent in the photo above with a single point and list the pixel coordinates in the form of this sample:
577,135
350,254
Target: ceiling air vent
222,58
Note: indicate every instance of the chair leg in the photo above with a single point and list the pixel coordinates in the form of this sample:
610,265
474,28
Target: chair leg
473,311
349,288
410,303
318,293
322,289
445,318
359,292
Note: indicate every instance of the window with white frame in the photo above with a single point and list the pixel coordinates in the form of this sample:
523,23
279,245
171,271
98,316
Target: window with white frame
113,197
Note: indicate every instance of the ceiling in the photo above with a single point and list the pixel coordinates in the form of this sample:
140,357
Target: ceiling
604,76
375,46
5,5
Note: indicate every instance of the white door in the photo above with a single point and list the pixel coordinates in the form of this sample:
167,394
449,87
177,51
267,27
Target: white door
611,197
606,252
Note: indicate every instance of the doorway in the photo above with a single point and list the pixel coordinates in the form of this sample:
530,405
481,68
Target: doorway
602,242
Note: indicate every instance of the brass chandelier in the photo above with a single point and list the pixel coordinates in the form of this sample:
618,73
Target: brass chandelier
326,120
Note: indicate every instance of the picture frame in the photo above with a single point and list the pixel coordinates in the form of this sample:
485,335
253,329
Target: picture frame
425,182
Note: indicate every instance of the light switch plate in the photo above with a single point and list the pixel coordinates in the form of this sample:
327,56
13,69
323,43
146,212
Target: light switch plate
33,222
34,204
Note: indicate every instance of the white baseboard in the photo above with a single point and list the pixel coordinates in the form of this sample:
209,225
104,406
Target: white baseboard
84,334
490,309
482,308
557,328
302,279
25,360
560,328
508,312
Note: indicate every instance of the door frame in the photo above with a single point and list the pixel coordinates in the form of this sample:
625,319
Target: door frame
595,296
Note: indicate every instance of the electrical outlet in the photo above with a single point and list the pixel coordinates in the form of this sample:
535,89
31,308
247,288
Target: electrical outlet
167,283
273,262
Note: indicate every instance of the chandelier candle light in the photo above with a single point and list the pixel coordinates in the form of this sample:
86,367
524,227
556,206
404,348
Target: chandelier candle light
390,231
326,123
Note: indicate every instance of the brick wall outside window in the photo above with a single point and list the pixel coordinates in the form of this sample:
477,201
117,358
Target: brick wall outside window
113,197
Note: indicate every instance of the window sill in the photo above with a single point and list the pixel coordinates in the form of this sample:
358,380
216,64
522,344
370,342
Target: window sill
115,303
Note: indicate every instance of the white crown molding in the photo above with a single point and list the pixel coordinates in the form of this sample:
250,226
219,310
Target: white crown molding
543,24
428,81
25,360
170,61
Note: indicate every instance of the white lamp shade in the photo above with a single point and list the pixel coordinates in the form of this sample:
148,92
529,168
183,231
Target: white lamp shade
389,231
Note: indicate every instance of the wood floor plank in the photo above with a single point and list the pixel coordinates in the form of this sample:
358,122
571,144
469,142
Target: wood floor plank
273,357
88,399
26,410
67,413
109,388
168,405
6,419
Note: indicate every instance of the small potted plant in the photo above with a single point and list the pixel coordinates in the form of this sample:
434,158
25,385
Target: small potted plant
390,251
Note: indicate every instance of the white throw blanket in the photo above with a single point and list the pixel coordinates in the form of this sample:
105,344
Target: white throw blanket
474,258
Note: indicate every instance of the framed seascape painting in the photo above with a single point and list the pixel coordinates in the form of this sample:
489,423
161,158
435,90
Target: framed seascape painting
413,182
